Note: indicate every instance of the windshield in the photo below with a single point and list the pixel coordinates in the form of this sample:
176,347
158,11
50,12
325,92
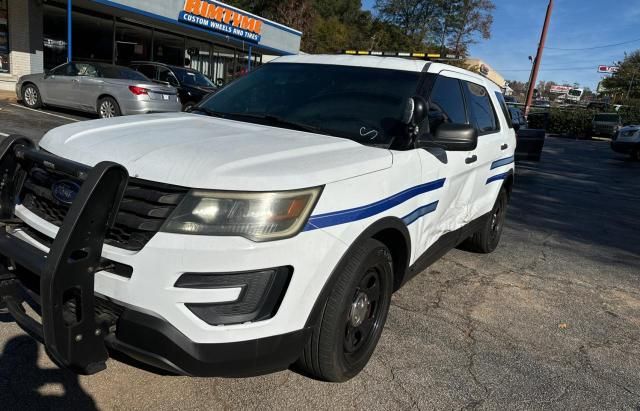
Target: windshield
358,103
192,78
609,118
575,92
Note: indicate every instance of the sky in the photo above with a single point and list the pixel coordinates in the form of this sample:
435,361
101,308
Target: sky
574,24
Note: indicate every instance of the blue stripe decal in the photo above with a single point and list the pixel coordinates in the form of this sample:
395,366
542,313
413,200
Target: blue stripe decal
360,213
502,162
419,213
498,177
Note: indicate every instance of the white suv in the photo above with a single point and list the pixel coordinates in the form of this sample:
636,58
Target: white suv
267,228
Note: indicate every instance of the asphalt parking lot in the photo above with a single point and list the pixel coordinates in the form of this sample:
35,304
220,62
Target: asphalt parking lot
550,320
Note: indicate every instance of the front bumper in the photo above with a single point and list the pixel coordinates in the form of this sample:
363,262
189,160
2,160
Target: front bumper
625,147
151,297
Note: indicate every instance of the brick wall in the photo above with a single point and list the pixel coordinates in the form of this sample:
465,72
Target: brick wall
25,40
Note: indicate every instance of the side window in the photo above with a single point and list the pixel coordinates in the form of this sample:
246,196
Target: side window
446,104
148,70
68,69
482,113
164,74
505,110
86,70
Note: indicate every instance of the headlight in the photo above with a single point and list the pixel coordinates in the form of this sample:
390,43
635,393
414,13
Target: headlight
256,216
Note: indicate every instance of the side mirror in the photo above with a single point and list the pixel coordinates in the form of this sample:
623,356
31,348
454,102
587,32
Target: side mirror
415,111
453,137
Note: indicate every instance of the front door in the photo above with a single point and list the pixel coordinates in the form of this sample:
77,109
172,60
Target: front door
58,85
446,105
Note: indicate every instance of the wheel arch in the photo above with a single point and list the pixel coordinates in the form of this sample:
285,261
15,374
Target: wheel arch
105,95
393,233
508,183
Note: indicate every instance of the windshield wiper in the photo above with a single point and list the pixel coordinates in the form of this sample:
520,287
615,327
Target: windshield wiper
279,121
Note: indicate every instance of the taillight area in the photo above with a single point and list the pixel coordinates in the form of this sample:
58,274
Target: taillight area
138,91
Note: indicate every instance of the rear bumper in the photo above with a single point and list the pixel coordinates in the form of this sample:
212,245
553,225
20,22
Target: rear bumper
133,107
625,147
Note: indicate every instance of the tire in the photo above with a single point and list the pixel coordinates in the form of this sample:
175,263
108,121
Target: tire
635,155
354,316
108,107
487,239
187,106
31,96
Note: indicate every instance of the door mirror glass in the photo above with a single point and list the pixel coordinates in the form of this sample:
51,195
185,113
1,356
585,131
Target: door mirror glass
415,111
452,137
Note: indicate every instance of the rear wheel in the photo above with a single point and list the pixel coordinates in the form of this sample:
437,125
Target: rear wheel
354,316
108,107
487,239
31,96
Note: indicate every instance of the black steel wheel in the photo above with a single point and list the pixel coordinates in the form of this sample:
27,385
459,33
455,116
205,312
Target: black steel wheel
354,315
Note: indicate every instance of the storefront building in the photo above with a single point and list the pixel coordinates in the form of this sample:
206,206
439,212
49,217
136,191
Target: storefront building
221,41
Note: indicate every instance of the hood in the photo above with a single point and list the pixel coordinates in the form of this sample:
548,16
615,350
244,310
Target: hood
196,151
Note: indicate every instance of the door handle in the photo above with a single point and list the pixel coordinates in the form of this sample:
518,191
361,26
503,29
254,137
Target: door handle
471,159
504,147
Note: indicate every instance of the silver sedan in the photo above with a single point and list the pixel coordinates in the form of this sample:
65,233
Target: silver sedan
104,89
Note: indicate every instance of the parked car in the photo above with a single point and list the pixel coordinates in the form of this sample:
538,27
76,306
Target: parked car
268,227
104,89
627,141
192,85
530,141
542,103
606,124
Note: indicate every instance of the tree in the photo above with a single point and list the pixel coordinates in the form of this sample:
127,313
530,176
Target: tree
469,19
625,83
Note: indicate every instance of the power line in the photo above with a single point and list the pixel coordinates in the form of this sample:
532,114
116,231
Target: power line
596,47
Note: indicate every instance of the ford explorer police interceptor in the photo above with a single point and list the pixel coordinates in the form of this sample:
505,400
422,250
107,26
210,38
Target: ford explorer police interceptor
268,228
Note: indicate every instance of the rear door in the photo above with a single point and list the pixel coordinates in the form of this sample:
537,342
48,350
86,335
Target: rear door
494,154
87,86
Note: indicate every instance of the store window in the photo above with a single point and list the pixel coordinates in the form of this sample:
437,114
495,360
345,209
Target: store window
168,49
92,38
224,60
55,36
4,37
198,56
133,43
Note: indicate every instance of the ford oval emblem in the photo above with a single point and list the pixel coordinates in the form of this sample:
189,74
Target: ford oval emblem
65,191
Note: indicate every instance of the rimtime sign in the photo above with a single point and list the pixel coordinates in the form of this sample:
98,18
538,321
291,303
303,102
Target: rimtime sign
219,17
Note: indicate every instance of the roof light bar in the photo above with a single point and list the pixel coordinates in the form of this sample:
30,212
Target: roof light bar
416,55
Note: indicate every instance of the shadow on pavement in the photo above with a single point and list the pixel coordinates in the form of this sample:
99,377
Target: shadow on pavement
25,386
581,192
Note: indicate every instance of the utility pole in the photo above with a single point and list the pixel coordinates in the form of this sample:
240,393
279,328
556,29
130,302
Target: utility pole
538,59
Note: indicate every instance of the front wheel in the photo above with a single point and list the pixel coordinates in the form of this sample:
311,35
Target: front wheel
354,316
31,96
108,108
487,239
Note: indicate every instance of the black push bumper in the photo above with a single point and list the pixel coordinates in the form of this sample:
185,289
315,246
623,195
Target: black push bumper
78,329
72,334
